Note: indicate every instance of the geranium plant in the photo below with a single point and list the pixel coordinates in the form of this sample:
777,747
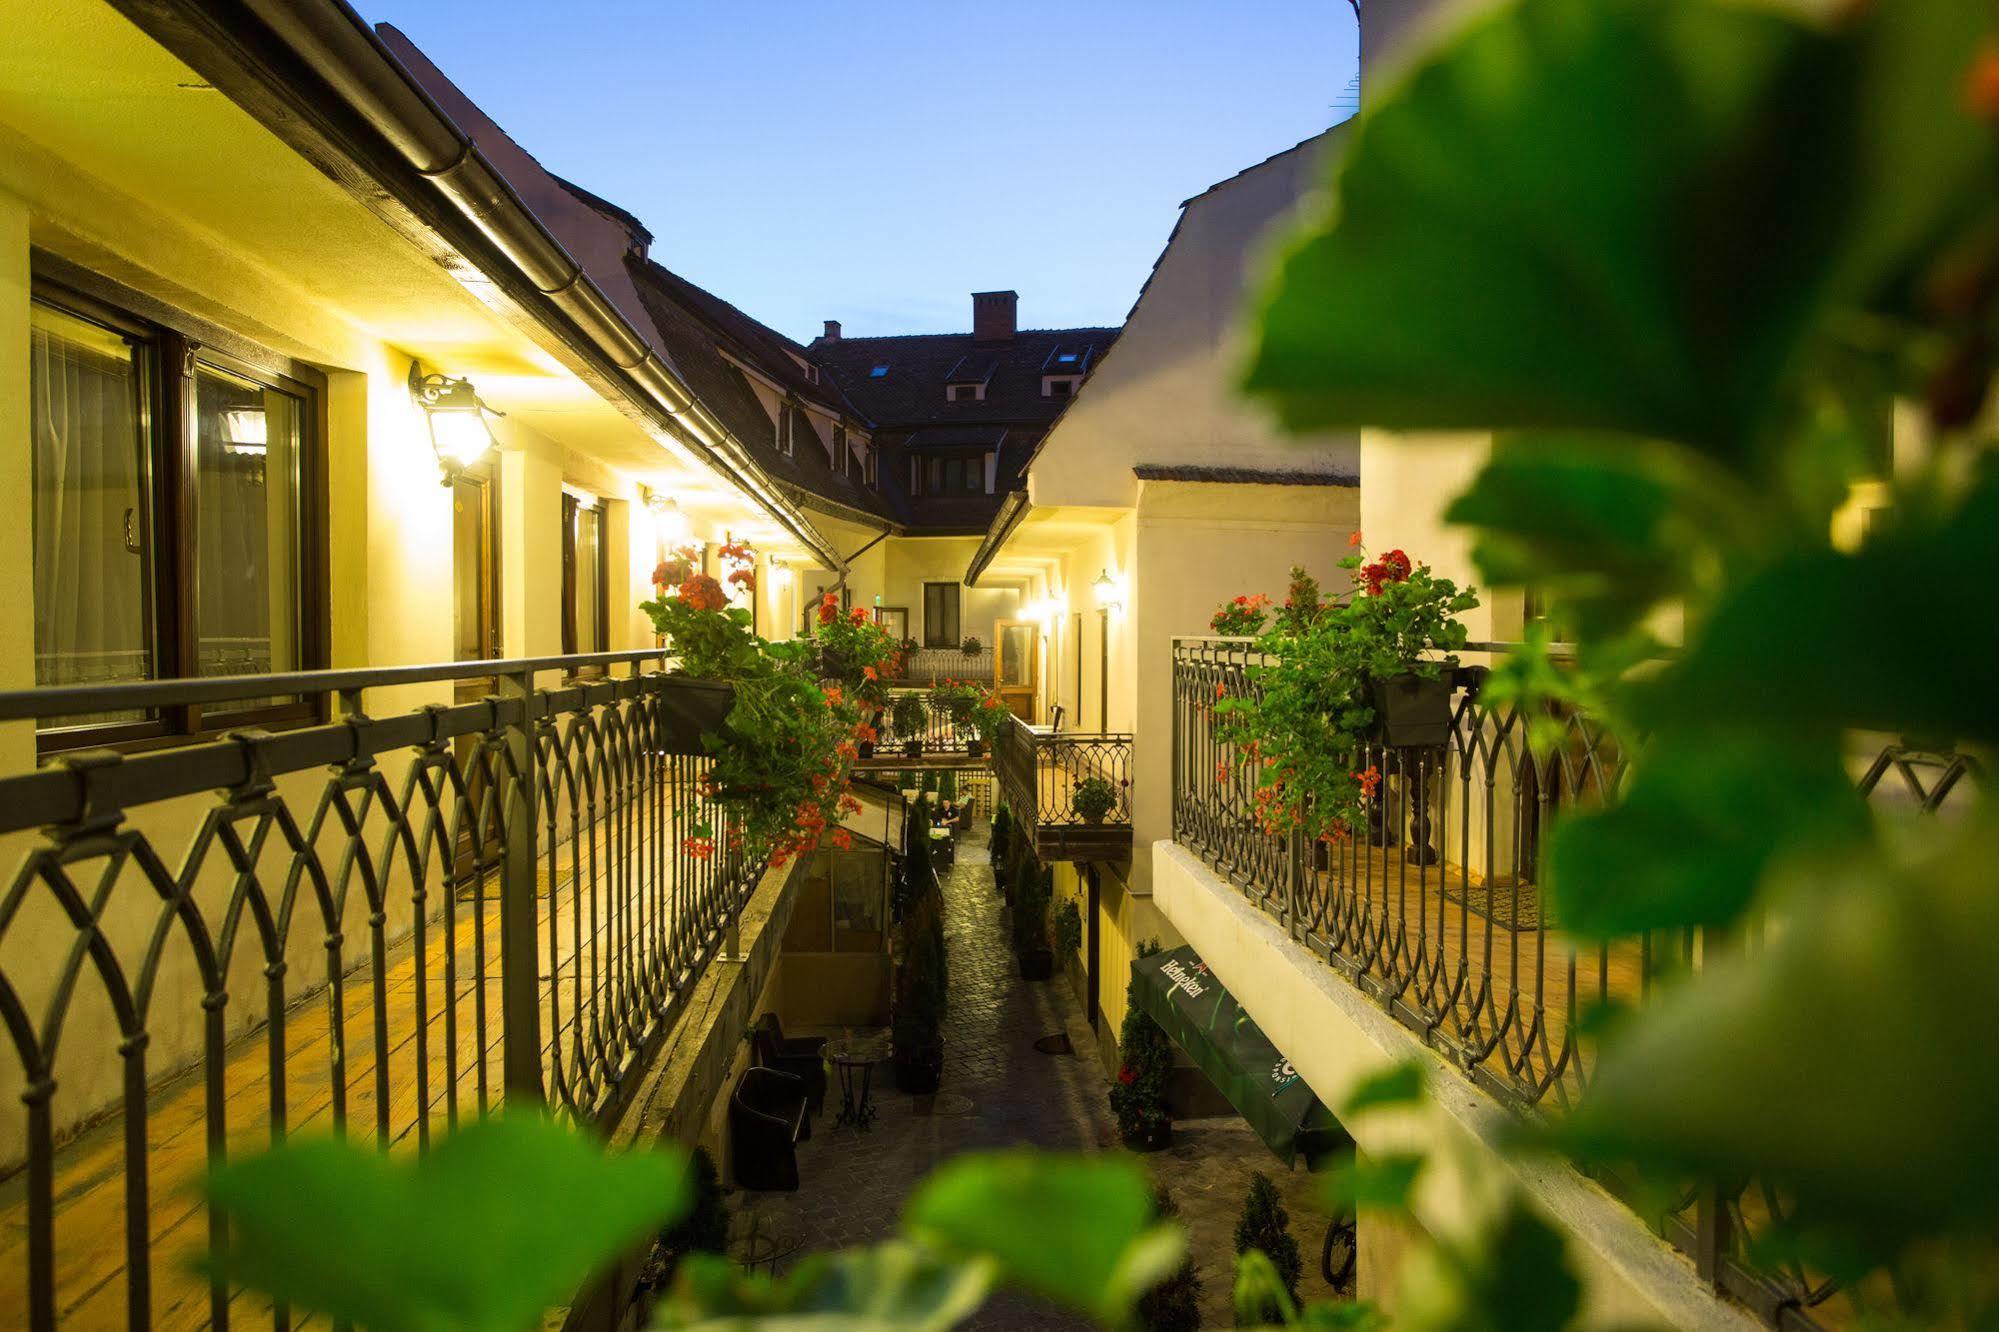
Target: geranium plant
781,760
1244,617
1304,735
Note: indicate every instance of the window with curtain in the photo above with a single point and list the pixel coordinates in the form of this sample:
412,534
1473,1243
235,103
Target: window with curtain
584,614
940,615
168,529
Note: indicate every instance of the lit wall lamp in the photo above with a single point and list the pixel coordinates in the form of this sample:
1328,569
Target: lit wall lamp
1105,589
458,431
668,521
780,573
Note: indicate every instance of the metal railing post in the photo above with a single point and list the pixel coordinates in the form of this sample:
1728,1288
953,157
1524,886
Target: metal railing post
520,988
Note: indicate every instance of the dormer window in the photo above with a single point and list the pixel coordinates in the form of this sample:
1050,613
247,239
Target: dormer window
811,373
964,393
871,461
1060,386
787,429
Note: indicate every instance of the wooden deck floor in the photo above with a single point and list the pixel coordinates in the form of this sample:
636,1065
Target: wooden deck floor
441,1060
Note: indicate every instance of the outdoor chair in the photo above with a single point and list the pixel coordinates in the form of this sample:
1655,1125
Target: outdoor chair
768,1115
803,1057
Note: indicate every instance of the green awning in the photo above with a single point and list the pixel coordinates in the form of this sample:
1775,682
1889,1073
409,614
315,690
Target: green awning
1178,992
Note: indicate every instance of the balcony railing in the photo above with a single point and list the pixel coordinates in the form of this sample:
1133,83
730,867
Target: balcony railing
932,666
1435,910
938,737
375,927
1039,771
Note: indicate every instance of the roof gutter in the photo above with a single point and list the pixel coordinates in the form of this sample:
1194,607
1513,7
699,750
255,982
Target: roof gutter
1013,510
292,46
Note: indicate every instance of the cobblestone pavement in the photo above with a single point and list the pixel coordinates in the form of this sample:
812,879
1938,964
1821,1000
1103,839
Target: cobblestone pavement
999,1091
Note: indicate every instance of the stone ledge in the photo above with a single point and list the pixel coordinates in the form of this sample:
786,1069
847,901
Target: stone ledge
1335,1037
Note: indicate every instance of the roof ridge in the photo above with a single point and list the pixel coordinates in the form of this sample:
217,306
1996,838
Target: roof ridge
911,337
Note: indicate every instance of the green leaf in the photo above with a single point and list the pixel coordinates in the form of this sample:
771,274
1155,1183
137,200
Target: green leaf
1608,528
1383,1181
1845,1060
1704,815
502,1220
894,1284
1926,164
1398,1084
1075,1229
1513,1276
1612,215
1892,638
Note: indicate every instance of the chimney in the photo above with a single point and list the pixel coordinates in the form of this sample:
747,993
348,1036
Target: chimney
993,314
832,330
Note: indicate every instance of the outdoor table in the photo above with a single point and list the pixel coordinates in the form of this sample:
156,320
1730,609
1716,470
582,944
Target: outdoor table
854,1056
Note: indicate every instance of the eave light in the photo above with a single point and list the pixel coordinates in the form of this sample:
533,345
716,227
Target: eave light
459,434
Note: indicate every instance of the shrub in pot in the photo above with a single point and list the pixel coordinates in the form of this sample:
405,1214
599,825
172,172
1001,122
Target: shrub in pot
972,647
1069,929
1265,1226
917,1027
1093,798
1174,1305
1145,1059
909,718
1030,923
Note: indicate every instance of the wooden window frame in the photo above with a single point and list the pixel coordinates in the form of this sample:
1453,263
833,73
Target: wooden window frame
572,511
177,344
930,636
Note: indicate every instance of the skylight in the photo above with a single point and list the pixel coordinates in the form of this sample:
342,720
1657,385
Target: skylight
878,372
1067,358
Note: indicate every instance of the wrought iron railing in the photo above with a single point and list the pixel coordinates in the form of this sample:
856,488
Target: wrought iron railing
939,734
373,927
1435,910
933,666
1041,770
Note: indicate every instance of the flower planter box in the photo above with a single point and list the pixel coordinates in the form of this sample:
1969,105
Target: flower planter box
1156,1138
1038,965
690,709
1411,712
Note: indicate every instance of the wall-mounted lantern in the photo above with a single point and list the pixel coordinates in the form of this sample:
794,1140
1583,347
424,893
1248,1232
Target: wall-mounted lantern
669,523
459,434
1105,589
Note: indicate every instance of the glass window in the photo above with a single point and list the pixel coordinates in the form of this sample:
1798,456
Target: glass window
584,612
940,615
93,528
121,594
246,462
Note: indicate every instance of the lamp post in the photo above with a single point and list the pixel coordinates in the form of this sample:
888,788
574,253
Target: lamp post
1104,589
459,434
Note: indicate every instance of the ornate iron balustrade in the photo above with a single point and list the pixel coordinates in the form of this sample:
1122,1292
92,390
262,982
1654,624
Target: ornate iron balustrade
933,666
374,927
1435,910
1039,772
938,736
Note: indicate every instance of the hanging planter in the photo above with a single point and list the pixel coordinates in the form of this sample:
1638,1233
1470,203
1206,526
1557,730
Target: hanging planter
1411,712
691,708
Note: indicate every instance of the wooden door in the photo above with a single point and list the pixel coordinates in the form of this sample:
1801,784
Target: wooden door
1017,665
475,597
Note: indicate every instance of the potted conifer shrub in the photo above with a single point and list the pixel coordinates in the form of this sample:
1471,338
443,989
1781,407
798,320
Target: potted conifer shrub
1174,1305
1145,1059
909,717
1030,923
1265,1226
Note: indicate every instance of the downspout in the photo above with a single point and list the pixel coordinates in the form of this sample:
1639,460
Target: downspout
880,537
337,45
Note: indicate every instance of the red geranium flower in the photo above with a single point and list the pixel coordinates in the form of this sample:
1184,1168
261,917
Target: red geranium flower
703,593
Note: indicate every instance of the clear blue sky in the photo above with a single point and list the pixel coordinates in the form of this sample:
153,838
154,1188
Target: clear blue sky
875,161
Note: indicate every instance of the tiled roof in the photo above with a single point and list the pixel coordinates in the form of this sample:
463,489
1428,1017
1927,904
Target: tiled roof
910,393
956,437
696,327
